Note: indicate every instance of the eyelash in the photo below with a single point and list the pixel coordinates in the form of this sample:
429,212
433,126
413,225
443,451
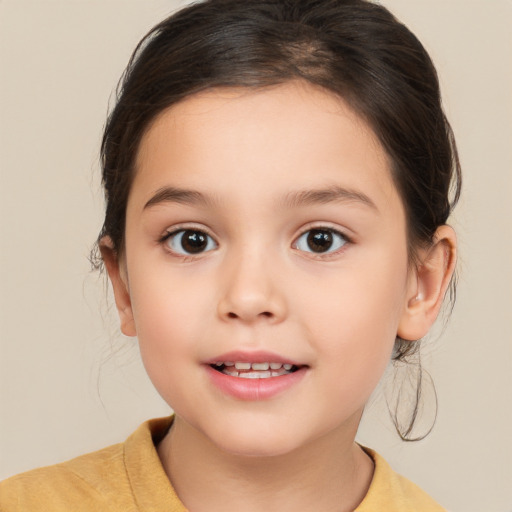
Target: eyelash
335,233
319,255
183,229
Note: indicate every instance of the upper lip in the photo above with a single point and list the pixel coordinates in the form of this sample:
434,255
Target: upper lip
238,356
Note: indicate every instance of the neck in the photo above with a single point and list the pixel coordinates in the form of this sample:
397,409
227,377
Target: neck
331,474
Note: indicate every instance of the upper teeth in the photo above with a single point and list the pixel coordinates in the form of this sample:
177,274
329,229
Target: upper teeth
255,366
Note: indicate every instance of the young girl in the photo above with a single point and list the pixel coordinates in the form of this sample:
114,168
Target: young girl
277,176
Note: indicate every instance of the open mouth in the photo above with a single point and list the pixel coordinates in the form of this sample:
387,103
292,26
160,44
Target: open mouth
246,370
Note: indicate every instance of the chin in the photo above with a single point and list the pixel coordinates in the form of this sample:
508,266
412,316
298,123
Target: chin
257,448
258,440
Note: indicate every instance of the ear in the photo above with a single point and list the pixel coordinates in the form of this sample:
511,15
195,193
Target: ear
428,284
119,279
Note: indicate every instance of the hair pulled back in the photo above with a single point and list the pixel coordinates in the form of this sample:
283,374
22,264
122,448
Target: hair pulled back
353,48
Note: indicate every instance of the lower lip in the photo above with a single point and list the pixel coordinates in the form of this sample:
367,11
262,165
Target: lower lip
254,389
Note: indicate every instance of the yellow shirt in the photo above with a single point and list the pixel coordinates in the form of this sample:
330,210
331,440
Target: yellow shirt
129,477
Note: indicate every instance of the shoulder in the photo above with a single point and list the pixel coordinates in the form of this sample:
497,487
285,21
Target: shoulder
391,491
86,482
124,477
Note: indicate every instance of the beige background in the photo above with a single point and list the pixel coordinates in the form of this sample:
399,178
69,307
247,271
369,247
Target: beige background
69,385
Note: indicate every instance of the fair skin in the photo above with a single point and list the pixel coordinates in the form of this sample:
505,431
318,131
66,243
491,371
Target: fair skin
251,176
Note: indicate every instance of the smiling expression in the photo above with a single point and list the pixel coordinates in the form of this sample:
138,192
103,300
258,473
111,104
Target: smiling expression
264,228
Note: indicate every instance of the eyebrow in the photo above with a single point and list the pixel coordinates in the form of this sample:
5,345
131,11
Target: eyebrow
179,195
327,195
291,200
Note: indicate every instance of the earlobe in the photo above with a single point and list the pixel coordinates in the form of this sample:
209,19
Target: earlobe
118,278
428,285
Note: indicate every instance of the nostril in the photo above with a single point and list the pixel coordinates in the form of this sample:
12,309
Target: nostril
266,314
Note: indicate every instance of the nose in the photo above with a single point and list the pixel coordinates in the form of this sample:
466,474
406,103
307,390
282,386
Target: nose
251,291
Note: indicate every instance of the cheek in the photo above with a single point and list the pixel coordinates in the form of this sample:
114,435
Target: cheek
364,300
167,316
353,321
167,310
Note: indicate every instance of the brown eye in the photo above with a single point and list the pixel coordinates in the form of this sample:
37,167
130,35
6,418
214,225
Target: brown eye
190,241
321,240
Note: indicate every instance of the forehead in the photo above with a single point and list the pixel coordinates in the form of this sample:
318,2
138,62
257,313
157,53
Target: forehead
265,141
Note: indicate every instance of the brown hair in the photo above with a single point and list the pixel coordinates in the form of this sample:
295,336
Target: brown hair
354,48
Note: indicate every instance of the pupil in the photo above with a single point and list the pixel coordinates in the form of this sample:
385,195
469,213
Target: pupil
319,240
193,241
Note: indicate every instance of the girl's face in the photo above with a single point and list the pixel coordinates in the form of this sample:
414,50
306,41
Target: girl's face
264,228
